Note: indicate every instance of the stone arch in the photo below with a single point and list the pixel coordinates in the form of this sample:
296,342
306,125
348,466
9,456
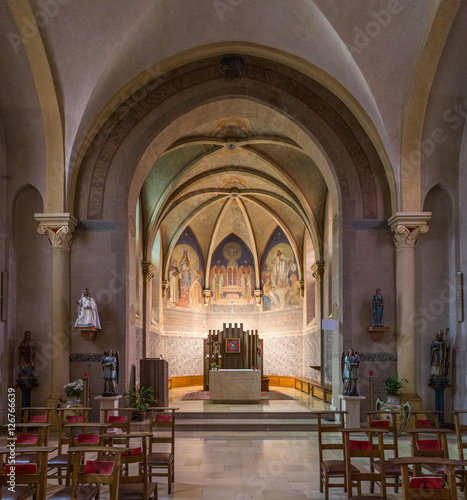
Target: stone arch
315,110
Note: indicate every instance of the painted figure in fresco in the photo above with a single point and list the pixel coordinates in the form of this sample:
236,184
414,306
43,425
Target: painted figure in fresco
378,305
268,290
186,273
280,270
27,356
110,367
217,282
440,356
293,273
349,374
246,282
174,282
196,293
87,311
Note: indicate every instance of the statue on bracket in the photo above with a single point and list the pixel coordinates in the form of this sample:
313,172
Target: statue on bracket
88,317
378,305
110,366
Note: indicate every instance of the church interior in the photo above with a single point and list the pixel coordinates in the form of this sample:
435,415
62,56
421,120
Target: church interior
294,171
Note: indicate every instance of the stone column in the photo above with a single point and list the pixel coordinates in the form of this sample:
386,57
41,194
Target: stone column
318,272
148,275
406,228
59,230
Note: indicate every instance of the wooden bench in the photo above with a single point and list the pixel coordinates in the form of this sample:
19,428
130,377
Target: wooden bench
314,388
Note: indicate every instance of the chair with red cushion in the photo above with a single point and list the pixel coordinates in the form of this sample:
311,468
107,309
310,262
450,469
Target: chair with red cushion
29,478
89,475
388,420
355,450
136,486
424,487
332,470
162,444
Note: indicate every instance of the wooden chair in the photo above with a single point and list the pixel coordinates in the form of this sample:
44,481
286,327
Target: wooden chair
59,461
434,447
30,478
421,420
37,414
411,489
393,471
357,449
162,429
332,471
461,432
122,421
136,486
86,479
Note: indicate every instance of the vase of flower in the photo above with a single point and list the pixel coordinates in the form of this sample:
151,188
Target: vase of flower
73,392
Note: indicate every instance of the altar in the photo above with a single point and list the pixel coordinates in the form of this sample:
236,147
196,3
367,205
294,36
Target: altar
235,386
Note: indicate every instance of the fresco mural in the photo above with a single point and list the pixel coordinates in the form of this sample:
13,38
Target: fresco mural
185,274
279,274
232,276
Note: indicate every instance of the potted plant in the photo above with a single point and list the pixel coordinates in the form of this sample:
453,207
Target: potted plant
214,366
393,402
394,386
141,399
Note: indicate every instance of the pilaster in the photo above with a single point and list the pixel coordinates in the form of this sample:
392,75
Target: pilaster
148,274
406,229
59,230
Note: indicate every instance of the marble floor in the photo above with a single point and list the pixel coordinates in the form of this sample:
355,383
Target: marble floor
251,465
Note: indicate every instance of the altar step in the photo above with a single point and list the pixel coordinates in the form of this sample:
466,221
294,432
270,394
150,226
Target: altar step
246,421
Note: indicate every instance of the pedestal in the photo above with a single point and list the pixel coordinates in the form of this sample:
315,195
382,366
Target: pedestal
439,387
352,405
108,403
377,332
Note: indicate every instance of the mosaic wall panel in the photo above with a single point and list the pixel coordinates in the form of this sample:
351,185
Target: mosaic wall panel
185,356
185,274
156,345
283,355
232,277
279,274
311,354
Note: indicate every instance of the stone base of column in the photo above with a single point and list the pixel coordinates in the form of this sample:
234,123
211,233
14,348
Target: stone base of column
416,403
352,405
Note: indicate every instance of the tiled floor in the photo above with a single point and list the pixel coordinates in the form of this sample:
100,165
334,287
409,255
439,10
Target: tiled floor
252,465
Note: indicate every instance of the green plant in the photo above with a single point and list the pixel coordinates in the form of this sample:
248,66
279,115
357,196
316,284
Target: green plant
214,366
393,386
140,398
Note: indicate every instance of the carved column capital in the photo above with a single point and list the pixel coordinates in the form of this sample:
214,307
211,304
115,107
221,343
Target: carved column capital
258,295
206,296
165,288
407,227
318,271
148,271
58,228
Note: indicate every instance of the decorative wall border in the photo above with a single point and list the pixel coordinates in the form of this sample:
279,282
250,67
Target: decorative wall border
82,357
378,356
101,226
370,225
